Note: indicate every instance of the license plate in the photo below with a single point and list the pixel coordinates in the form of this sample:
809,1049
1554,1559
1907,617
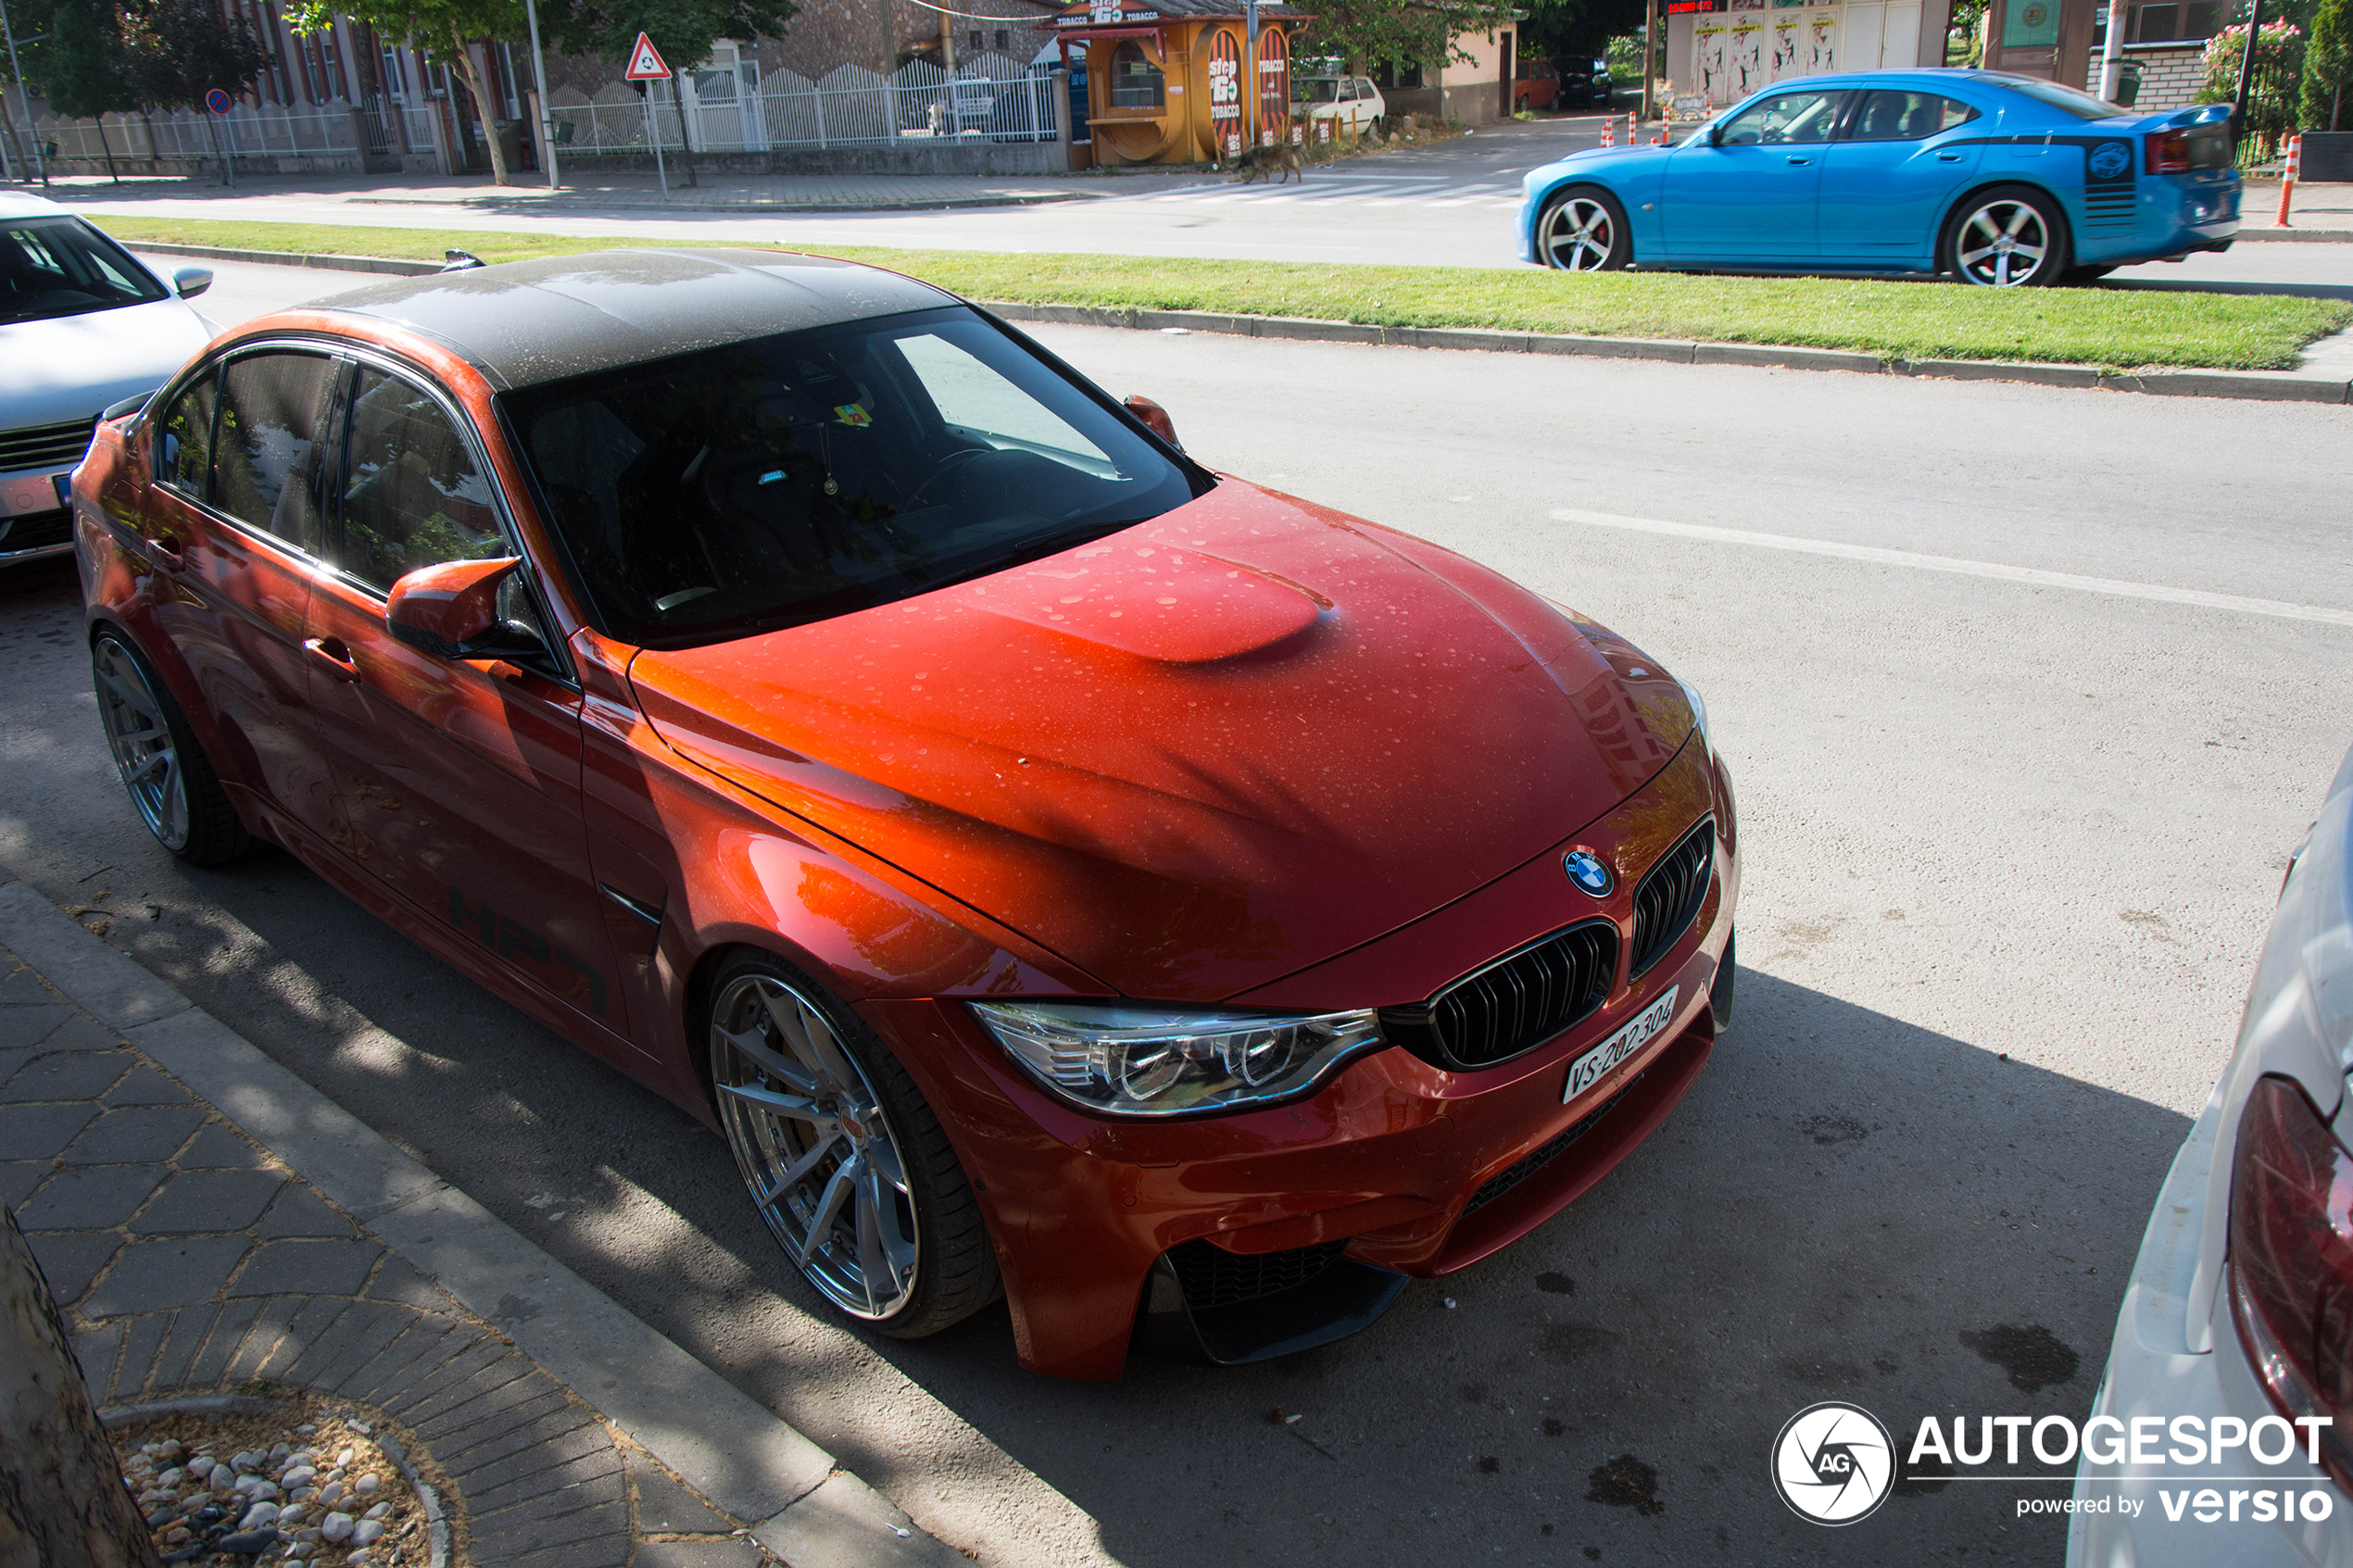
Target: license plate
1587,1069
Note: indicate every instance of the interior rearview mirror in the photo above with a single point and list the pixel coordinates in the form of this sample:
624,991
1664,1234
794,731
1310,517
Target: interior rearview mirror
1155,419
451,611
190,282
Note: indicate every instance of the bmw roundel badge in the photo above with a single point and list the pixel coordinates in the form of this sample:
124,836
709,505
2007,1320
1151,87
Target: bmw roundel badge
1591,873
2110,159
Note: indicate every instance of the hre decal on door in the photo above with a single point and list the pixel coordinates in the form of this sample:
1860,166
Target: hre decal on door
512,941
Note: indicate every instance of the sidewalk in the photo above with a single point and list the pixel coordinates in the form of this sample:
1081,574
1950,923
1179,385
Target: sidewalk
600,190
2321,210
212,1226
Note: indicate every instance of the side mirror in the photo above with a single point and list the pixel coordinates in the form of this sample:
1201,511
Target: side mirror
451,611
1155,419
1716,135
190,282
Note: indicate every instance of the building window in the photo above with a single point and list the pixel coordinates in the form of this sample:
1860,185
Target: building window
1004,38
1136,82
2163,21
1395,78
975,41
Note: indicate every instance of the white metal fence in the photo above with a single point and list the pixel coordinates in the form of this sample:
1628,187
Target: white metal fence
989,98
272,130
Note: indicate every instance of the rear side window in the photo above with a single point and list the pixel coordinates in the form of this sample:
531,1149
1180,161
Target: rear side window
1906,116
413,496
183,440
267,445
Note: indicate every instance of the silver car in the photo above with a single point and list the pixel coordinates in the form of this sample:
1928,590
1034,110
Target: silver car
84,325
2234,1350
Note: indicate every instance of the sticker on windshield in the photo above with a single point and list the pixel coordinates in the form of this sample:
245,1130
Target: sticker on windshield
854,414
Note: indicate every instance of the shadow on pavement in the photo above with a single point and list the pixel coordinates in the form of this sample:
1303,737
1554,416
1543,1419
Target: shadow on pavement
1846,1202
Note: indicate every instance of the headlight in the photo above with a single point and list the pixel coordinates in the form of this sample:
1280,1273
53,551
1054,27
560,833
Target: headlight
1146,1061
1699,708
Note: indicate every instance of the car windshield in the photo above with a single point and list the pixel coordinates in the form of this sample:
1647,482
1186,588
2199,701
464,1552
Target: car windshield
2082,105
1317,90
62,266
806,475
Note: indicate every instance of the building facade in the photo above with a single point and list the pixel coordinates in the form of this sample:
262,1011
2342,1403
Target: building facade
1720,50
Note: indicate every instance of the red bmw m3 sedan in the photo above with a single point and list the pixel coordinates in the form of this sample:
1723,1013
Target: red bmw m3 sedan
1055,868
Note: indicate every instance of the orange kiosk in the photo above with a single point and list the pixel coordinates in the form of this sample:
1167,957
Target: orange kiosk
1167,80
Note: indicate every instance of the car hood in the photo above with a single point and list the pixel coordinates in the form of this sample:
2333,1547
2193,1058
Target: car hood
1196,755
69,367
1592,159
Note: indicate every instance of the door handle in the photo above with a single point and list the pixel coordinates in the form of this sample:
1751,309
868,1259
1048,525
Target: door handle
334,656
164,545
1948,157
1800,160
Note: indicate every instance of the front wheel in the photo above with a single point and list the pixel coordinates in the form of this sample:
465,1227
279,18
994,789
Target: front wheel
1583,229
845,1161
2011,237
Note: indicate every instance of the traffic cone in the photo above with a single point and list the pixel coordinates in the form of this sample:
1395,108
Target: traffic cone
2287,175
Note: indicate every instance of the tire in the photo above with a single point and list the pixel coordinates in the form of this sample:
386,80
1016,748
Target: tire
1583,229
832,1137
170,780
1988,231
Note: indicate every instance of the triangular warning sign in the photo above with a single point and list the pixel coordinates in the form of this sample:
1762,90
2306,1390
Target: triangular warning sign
645,62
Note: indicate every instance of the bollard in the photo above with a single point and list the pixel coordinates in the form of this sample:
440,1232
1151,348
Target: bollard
2287,175
1610,130
1633,138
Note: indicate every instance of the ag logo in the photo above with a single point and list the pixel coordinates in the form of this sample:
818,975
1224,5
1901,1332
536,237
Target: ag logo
2110,159
1833,1463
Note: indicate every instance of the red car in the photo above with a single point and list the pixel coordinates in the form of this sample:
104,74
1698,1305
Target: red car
1054,867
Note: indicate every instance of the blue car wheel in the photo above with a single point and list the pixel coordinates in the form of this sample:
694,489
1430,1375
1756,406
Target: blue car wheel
2011,237
1583,229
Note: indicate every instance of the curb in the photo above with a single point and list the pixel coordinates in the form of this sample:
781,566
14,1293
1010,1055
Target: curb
728,1446
2252,386
528,203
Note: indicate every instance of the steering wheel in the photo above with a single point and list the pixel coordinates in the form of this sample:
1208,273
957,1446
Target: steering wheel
953,464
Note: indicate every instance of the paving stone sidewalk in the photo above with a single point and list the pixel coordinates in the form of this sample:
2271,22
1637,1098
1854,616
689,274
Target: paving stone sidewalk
190,1261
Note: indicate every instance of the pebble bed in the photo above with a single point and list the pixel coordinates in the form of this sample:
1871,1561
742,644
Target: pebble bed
300,1484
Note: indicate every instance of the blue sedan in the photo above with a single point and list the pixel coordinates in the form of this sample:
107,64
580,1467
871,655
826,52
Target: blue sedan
1994,179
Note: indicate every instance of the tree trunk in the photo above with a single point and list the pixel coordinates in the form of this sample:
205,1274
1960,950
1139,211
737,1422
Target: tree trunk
471,69
22,166
62,1500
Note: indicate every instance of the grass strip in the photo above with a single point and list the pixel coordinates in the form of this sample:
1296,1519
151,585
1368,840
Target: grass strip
2117,329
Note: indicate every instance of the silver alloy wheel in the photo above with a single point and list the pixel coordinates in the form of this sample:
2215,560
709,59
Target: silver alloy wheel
810,1138
145,753
1581,235
2002,244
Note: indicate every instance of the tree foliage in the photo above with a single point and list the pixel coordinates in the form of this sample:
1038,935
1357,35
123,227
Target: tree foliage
2328,68
449,31
683,30
110,57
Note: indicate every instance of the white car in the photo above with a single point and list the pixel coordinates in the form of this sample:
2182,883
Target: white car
83,326
2236,1332
1350,103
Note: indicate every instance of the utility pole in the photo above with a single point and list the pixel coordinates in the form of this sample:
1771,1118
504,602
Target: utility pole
17,70
1650,57
1256,108
2247,71
547,115
2112,52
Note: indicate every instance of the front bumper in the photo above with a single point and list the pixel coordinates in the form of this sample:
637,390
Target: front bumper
35,515
1408,1168
2122,1519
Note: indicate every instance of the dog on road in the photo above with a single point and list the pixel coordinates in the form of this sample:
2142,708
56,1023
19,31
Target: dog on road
1262,163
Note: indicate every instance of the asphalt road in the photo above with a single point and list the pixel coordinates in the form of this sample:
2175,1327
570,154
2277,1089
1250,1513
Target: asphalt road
1450,205
2010,849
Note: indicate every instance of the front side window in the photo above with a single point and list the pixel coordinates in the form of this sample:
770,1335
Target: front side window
1906,116
806,475
267,443
1784,119
1136,82
183,440
412,494
62,266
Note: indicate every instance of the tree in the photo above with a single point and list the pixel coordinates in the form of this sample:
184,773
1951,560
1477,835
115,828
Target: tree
1570,30
451,32
1405,32
2327,66
62,1500
179,50
2278,65
683,31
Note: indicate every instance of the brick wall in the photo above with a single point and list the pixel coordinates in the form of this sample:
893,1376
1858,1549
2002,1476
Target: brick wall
2171,73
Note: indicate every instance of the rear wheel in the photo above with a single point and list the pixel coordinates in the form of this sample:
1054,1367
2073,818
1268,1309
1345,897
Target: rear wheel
846,1163
1583,229
170,779
2011,237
